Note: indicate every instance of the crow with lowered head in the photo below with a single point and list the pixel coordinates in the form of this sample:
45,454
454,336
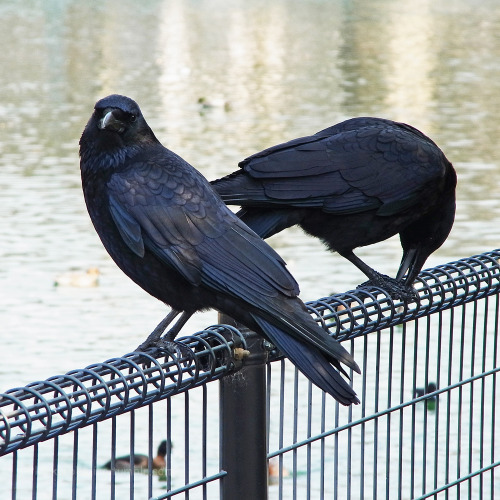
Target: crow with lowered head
350,185
168,230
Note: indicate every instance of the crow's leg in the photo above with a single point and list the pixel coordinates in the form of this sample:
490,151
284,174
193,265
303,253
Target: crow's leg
397,289
172,333
156,334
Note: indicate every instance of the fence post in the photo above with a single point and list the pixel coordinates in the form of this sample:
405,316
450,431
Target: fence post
243,440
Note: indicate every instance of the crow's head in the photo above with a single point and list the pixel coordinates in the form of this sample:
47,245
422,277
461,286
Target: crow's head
116,125
119,114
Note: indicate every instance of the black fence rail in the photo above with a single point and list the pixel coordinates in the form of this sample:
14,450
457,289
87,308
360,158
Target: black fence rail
366,310
425,426
63,403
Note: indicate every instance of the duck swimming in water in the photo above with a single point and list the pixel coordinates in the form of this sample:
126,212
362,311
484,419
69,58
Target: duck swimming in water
79,279
141,461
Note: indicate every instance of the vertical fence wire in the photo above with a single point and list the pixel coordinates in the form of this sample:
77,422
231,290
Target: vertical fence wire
295,430
493,394
363,414
437,413
55,469
113,458
413,419
186,443
388,420
449,399
376,421
204,441
401,412
34,487
168,471
309,434
75,465
14,476
460,423
93,479
323,448
483,398
425,436
131,454
150,449
281,425
471,395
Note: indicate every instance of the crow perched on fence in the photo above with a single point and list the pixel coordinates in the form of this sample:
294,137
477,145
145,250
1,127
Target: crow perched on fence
167,229
353,184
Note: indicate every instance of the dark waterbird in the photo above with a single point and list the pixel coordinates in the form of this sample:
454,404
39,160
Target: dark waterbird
166,228
353,184
141,461
430,401
422,391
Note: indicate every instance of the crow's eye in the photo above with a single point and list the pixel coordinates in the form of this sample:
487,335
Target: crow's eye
133,118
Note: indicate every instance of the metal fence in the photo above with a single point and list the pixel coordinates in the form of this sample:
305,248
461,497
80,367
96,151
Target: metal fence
425,428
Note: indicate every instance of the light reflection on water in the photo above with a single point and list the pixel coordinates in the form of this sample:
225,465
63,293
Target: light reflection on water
286,68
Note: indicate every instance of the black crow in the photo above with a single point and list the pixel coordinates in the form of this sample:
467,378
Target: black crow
167,229
353,184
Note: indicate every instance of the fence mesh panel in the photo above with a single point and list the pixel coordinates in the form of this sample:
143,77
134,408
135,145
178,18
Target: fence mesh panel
425,426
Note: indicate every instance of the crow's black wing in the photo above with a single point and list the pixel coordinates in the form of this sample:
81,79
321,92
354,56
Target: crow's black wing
165,206
362,164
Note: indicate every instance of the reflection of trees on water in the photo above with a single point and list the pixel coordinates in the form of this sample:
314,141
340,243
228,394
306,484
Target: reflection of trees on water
285,68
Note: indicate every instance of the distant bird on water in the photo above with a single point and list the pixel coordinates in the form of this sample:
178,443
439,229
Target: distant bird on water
422,391
79,279
167,229
141,461
350,185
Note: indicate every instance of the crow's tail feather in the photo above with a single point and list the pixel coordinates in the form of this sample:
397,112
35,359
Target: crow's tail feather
265,223
311,362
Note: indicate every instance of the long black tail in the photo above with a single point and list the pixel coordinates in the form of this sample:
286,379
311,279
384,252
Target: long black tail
268,221
311,362
237,187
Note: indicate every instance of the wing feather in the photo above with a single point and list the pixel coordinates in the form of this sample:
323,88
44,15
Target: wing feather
195,233
357,165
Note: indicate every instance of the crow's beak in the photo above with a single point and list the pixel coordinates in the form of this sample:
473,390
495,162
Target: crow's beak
110,122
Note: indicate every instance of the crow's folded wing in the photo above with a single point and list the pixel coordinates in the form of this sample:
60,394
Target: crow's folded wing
362,164
170,210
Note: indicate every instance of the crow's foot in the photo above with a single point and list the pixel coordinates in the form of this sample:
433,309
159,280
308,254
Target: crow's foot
151,343
166,346
396,289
